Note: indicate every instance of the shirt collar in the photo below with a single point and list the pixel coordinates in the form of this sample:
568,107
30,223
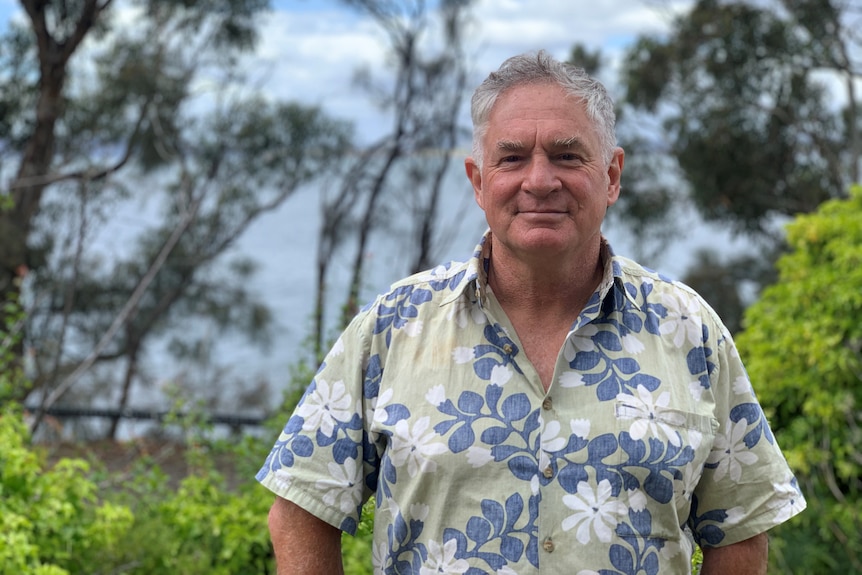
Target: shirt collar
474,285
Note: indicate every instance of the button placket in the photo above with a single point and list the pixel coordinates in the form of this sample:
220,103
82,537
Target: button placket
548,544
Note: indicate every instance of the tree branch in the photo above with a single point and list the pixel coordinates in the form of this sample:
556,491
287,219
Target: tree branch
122,317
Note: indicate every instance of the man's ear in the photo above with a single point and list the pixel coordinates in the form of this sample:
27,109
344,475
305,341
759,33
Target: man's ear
474,174
615,171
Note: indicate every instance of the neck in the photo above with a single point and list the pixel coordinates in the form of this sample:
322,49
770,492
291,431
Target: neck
545,289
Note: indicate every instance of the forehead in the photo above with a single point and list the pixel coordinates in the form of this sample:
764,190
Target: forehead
539,111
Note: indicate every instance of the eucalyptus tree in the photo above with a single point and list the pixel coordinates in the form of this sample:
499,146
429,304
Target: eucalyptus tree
739,88
735,114
395,184
128,108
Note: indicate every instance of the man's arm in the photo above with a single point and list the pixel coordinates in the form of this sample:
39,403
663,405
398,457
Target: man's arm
744,558
303,544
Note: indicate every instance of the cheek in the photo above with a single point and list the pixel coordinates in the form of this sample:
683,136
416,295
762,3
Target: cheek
499,205
502,189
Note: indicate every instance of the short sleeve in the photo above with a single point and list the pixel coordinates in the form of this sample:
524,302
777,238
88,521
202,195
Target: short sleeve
747,486
323,460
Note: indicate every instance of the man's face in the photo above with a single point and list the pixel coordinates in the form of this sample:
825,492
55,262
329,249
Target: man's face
544,184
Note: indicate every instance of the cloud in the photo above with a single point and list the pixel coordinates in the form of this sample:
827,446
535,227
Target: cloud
311,57
515,26
311,53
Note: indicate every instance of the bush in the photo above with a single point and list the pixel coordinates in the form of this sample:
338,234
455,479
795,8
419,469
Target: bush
51,520
75,517
803,348
202,528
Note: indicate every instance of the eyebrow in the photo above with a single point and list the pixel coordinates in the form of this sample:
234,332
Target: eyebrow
567,143
571,142
510,145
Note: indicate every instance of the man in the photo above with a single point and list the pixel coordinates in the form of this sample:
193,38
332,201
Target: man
545,407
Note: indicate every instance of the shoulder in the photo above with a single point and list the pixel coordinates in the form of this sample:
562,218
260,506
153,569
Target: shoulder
438,284
421,294
449,276
654,288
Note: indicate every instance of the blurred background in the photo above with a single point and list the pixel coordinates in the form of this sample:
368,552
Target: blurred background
196,194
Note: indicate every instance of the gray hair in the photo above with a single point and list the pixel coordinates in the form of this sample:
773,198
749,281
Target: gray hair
541,68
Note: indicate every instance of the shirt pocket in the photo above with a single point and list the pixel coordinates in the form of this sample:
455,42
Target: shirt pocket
661,457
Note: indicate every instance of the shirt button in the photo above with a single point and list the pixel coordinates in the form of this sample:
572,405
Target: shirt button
507,348
547,404
548,472
548,545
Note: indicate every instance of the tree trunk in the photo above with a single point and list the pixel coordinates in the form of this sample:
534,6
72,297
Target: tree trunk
128,378
34,170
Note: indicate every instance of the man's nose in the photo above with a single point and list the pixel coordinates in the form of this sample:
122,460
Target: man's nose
540,177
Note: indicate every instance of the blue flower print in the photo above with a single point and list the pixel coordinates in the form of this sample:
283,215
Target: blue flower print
439,278
705,527
498,353
611,375
398,307
504,533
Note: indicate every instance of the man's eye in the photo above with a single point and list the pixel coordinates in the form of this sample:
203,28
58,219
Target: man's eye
509,159
567,157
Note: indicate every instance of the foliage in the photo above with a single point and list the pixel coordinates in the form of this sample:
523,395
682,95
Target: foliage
202,527
74,517
136,113
51,520
203,524
731,118
12,380
803,348
747,119
696,560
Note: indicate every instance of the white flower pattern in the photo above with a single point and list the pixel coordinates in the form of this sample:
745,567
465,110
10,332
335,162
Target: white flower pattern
730,452
650,416
596,511
441,560
343,489
325,406
683,319
415,448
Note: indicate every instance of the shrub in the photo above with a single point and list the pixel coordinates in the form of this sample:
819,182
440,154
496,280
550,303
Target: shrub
51,520
202,528
803,348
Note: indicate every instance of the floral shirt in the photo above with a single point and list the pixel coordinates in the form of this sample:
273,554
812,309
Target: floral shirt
649,436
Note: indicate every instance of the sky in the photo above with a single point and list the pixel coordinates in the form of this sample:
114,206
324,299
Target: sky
310,48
